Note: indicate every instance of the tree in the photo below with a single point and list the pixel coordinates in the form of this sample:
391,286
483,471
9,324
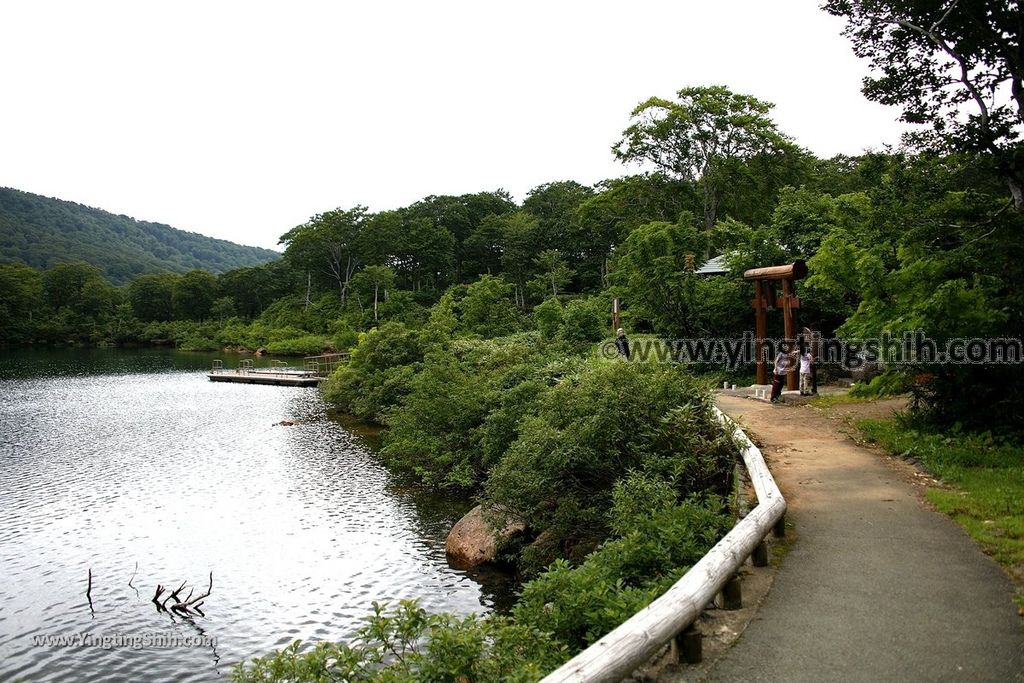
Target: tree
483,248
652,273
328,244
21,294
554,272
254,288
487,310
419,251
955,66
375,279
223,308
520,233
554,205
193,295
698,135
461,216
65,282
151,297
603,220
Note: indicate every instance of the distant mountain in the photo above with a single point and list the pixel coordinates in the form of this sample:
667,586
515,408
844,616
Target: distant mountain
42,231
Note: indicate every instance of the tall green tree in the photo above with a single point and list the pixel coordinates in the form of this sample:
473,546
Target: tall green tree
954,66
152,296
21,298
554,205
193,295
327,244
520,246
374,282
461,216
487,308
254,288
622,204
554,272
698,135
65,283
654,272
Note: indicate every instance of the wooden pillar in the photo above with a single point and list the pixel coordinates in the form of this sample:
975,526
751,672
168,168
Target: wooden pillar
793,376
779,530
688,645
616,317
761,330
759,557
732,594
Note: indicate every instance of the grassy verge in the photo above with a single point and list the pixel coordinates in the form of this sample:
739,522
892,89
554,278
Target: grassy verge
982,484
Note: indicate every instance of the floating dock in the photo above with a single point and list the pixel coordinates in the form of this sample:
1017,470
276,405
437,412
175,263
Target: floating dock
315,370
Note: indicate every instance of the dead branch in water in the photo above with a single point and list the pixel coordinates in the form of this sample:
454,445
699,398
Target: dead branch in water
156,598
88,593
178,606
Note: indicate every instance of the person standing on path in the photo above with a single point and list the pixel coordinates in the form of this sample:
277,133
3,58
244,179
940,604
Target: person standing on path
622,343
784,362
806,373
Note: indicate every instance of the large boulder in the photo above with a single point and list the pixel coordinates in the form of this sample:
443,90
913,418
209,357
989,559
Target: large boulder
472,541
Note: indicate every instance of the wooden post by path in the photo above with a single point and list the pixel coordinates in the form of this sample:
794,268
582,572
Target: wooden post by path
793,376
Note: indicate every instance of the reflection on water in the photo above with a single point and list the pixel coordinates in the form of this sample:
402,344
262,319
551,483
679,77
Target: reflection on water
108,459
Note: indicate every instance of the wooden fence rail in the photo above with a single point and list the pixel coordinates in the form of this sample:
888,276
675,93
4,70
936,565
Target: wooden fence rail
638,639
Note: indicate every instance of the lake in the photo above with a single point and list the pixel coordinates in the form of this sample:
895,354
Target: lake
133,465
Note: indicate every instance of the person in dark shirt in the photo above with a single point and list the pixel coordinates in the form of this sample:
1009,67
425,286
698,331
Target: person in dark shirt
622,343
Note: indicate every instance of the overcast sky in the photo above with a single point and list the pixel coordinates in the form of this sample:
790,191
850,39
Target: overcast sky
240,120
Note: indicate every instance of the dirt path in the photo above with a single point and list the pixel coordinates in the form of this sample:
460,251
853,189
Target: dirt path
876,586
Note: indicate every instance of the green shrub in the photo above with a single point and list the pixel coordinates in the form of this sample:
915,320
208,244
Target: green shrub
306,345
199,344
547,316
377,378
579,605
891,383
409,645
346,339
584,321
588,432
462,409
486,308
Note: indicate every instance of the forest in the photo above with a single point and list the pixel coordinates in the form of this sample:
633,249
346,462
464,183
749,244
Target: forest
43,232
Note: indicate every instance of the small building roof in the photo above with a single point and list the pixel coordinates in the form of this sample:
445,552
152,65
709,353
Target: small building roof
714,266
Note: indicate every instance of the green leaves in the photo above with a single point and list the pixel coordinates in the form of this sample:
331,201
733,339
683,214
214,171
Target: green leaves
698,135
953,67
405,644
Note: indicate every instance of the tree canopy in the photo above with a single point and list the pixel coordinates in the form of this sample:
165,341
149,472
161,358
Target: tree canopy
954,66
697,136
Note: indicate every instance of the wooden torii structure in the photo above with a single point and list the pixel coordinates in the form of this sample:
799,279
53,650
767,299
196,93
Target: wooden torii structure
766,299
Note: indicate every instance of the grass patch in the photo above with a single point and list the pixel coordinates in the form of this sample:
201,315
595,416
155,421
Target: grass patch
983,483
833,400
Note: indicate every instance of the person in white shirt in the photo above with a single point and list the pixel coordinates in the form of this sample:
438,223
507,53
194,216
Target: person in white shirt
806,374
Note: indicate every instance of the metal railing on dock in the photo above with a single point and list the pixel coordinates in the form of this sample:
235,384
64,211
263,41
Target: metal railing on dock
324,364
313,370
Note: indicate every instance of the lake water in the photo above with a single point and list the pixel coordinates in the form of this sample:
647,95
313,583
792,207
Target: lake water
134,465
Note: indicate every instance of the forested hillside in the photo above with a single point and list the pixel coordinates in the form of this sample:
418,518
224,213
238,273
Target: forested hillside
41,232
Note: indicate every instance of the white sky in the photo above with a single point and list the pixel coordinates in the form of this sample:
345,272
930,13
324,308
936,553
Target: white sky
240,120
